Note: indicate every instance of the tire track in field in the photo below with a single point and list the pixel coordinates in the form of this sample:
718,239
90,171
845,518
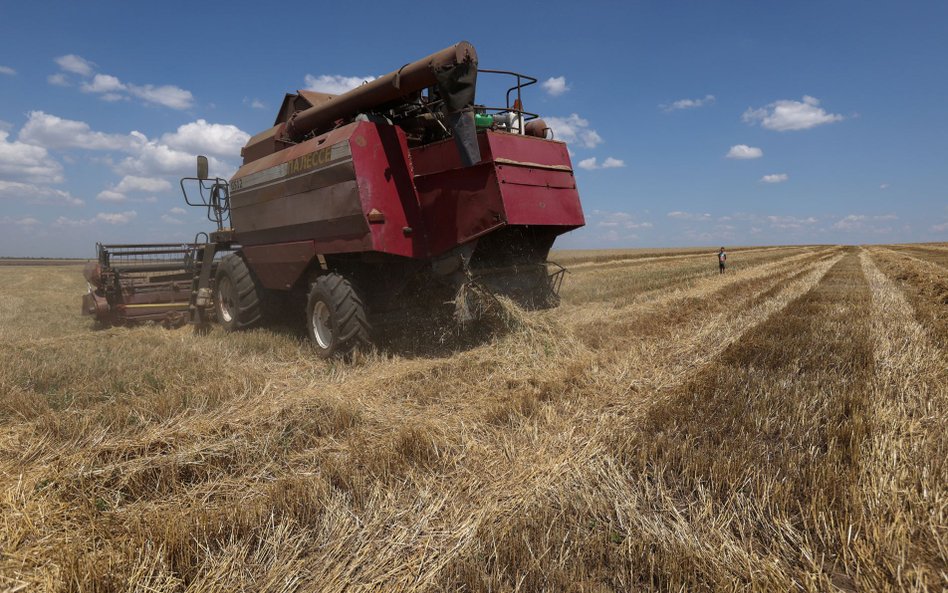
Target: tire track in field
906,457
925,257
746,474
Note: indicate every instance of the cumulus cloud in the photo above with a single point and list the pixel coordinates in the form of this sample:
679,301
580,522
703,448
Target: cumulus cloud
555,86
687,103
775,178
132,184
610,163
588,164
171,219
574,130
743,151
200,137
694,216
114,218
36,194
102,83
7,70
165,95
177,210
788,115
58,79
75,64
334,84
50,131
26,162
110,88
883,186
110,195
172,154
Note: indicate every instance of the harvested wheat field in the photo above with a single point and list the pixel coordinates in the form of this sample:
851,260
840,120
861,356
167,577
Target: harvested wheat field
778,428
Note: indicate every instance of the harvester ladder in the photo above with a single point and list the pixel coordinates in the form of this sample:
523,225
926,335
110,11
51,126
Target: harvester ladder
199,304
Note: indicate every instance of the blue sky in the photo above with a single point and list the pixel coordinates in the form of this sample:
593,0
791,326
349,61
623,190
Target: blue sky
710,123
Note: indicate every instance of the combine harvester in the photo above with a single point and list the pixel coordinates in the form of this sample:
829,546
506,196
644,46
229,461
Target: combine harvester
401,194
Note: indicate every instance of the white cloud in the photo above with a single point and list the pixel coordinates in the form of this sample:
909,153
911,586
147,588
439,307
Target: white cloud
574,130
743,151
610,163
177,210
775,178
254,103
200,137
112,89
618,220
555,85
166,95
58,79
132,183
36,194
883,186
171,219
790,222
865,223
50,131
334,84
787,115
75,64
19,160
114,218
110,195
7,70
148,158
152,159
27,222
679,215
103,83
940,228
687,103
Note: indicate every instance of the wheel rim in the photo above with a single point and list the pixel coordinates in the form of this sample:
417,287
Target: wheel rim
225,299
322,328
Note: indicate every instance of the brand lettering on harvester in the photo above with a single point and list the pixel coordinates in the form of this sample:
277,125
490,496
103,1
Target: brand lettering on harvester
308,161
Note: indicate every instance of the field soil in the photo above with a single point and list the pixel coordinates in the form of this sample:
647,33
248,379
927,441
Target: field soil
780,427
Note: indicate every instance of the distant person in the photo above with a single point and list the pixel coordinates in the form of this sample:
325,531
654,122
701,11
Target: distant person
722,260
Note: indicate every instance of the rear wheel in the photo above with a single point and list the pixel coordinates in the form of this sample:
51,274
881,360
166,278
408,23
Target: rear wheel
237,294
335,317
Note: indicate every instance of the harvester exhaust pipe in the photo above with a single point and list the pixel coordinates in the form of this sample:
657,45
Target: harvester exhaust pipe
453,70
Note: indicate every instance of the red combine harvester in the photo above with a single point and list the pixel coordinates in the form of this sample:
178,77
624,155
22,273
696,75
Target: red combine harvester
400,194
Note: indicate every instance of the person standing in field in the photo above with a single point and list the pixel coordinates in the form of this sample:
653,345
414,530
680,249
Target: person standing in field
722,260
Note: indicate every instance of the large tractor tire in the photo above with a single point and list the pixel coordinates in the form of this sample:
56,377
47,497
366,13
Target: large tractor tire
238,297
335,317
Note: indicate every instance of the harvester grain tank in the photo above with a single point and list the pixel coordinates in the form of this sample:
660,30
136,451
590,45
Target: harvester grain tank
403,193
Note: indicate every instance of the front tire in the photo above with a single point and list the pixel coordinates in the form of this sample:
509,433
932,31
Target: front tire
336,320
237,294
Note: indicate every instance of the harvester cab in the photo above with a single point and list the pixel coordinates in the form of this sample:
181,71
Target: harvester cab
403,194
